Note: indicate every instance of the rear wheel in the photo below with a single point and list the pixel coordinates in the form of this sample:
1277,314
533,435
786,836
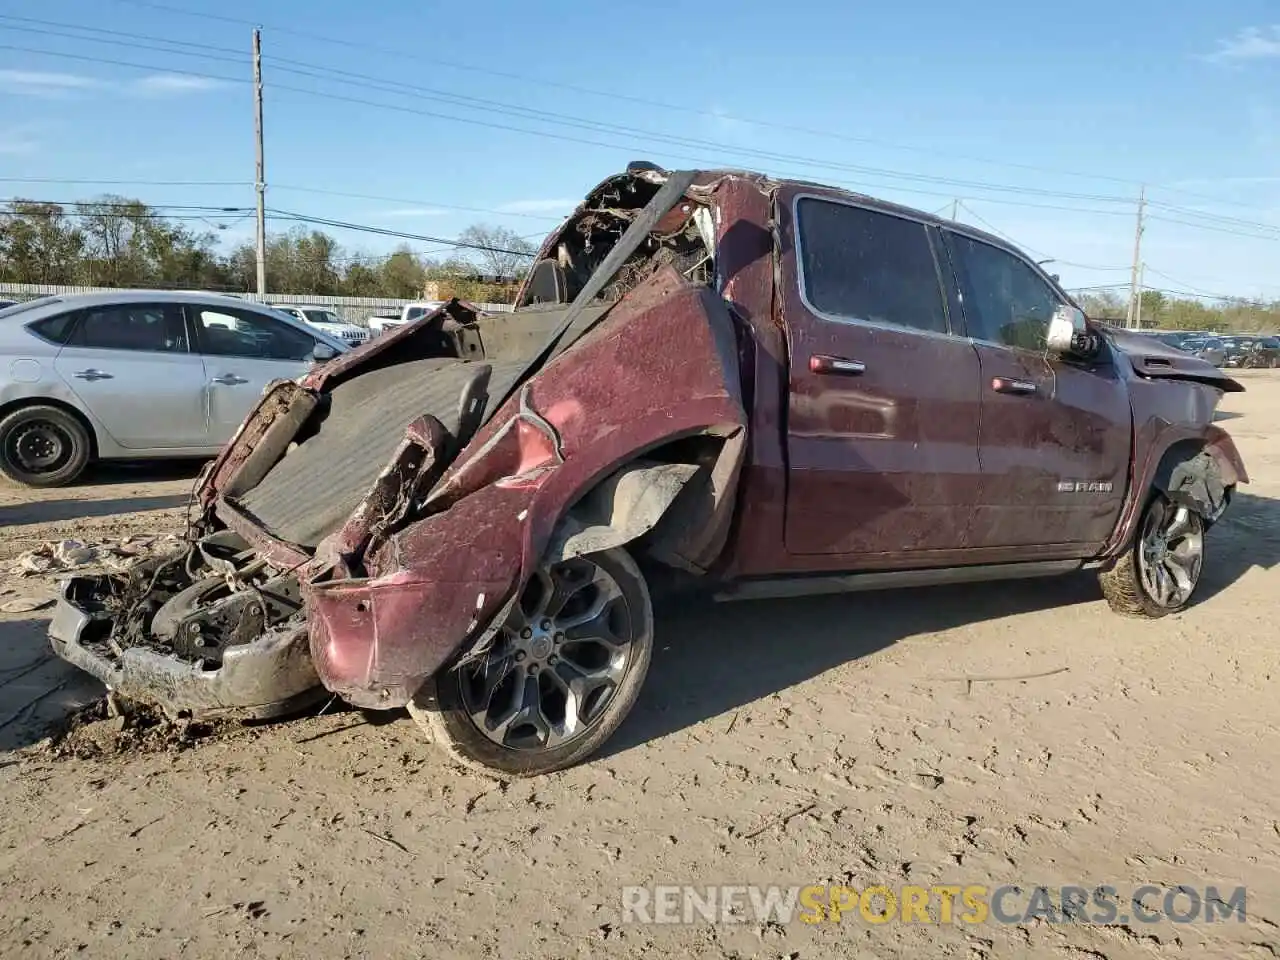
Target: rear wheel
561,675
1160,570
43,446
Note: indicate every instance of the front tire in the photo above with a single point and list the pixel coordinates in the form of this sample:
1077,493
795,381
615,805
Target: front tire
1160,570
560,676
43,446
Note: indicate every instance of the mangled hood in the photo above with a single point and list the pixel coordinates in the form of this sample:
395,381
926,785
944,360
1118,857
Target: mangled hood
1159,361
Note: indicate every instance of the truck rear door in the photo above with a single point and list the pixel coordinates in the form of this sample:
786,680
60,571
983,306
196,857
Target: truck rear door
882,417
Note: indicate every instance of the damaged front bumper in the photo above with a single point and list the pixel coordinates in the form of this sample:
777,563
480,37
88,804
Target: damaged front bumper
268,677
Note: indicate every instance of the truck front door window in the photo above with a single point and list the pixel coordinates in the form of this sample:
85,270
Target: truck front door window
1006,302
859,264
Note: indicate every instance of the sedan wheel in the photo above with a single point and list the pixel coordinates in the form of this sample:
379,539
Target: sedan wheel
42,446
559,677
1159,573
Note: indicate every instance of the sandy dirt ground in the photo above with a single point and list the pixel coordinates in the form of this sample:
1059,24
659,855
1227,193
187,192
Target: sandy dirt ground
821,741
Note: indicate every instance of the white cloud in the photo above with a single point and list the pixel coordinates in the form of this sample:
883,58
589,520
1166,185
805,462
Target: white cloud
1251,43
42,83
410,212
175,83
538,206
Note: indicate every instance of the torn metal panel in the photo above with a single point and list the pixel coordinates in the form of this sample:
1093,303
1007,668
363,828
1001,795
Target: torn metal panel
414,466
270,427
1155,360
1199,485
436,585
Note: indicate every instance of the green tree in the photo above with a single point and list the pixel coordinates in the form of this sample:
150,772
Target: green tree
39,244
402,275
361,280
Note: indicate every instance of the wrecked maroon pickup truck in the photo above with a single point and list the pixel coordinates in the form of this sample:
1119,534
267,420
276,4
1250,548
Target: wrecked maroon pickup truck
769,388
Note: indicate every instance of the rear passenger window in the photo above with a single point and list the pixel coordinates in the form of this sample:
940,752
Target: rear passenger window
54,329
860,264
156,328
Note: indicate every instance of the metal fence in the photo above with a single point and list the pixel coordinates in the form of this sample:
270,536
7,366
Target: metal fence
356,309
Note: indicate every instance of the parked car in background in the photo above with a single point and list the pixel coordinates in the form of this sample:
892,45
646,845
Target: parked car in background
380,324
7,303
137,374
327,321
1208,349
770,388
1251,351
1174,338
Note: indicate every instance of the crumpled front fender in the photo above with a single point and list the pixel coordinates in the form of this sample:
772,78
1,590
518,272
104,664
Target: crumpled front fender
1220,446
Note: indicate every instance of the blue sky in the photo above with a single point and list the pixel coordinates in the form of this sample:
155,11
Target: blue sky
1042,123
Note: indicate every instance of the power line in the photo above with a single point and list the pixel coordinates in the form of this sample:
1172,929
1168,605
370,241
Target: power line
542,116
488,71
64,181
1039,253
130,43
1216,229
497,106
125,35
1196,291
681,108
1218,218
382,231
150,67
698,161
424,203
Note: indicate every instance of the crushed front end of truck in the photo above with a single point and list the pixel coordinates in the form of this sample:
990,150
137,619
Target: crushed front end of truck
374,522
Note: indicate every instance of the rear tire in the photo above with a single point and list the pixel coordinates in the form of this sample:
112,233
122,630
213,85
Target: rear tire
1160,568
43,446
562,674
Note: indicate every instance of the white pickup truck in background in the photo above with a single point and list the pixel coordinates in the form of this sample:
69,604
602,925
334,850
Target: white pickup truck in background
381,323
326,321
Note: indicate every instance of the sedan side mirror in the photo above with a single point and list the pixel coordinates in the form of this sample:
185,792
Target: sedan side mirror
323,352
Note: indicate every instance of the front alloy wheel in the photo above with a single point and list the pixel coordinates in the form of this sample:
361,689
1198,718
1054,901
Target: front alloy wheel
561,674
1160,571
1170,553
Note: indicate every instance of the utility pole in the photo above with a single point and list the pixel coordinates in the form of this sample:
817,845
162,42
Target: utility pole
955,209
1137,258
260,170
1137,310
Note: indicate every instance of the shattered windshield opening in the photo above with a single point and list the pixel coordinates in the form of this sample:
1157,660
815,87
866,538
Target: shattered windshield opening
683,238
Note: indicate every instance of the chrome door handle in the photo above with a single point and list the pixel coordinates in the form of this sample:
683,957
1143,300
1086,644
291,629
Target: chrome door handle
92,374
837,366
1009,385
229,380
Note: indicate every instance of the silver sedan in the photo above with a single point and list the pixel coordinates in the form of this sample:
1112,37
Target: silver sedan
137,374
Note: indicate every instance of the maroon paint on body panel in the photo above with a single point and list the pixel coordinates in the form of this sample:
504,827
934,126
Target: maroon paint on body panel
746,268
1074,427
1166,413
440,581
885,460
